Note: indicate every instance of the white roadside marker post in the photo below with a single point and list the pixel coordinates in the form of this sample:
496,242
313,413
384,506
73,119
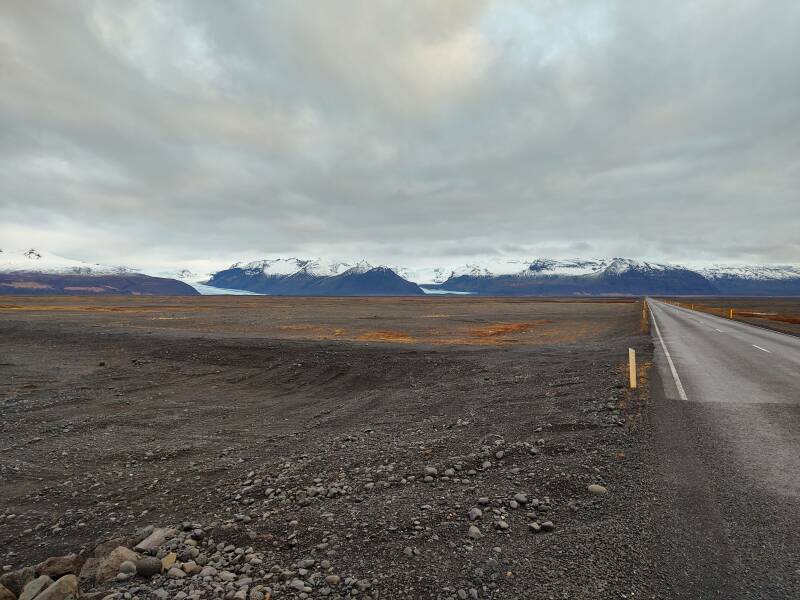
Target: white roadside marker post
632,367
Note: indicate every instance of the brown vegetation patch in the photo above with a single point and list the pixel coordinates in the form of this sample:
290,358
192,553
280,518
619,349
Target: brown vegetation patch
387,336
781,318
499,329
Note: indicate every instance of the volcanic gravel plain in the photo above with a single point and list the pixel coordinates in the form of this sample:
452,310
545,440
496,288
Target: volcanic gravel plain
434,447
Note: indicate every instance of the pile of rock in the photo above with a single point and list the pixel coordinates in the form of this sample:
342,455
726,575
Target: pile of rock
180,562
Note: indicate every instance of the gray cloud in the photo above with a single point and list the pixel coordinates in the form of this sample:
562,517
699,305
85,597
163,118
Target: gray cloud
147,133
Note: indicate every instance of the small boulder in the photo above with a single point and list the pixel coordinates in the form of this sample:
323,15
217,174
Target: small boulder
6,594
35,587
175,573
148,566
155,540
190,567
66,588
103,549
16,580
168,561
56,566
109,566
89,569
128,567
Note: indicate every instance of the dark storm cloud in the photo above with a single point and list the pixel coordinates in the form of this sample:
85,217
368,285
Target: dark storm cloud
411,132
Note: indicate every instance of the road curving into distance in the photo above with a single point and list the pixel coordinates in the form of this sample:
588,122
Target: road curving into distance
725,458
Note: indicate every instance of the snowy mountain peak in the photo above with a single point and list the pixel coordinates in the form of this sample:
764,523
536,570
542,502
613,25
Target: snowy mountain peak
290,266
361,266
35,261
753,272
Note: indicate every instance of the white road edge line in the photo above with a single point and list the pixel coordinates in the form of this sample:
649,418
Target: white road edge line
762,349
678,384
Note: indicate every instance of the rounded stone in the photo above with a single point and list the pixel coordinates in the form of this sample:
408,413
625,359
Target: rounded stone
148,566
597,490
128,567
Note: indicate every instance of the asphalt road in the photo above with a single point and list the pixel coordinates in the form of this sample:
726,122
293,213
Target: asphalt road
726,457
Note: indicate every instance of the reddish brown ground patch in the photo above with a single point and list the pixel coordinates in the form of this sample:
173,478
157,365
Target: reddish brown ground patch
387,336
498,329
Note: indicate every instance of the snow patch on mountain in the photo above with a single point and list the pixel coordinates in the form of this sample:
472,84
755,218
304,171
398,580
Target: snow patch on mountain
751,272
36,261
290,266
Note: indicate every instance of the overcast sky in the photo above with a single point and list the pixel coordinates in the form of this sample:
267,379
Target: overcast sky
408,132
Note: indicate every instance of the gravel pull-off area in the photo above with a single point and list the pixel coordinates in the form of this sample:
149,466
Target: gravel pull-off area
148,463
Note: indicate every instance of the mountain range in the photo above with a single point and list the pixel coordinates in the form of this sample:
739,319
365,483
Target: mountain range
508,277
35,272
299,277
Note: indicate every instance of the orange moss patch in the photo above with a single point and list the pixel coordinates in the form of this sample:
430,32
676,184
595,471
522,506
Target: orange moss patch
499,329
387,336
314,331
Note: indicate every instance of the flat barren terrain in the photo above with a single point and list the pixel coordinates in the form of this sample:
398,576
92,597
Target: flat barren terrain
371,448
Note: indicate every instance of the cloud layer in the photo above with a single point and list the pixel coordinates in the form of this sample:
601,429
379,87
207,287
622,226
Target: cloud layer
409,132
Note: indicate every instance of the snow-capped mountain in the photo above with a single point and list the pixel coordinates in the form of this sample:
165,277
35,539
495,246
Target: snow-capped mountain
752,272
618,276
288,266
754,280
549,277
314,277
35,272
509,277
31,260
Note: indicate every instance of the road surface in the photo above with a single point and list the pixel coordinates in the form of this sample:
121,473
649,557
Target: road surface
726,457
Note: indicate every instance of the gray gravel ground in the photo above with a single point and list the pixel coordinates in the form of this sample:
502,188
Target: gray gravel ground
365,459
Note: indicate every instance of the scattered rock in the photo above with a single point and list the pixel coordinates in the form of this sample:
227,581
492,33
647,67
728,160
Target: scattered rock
475,513
168,561
474,533
597,490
